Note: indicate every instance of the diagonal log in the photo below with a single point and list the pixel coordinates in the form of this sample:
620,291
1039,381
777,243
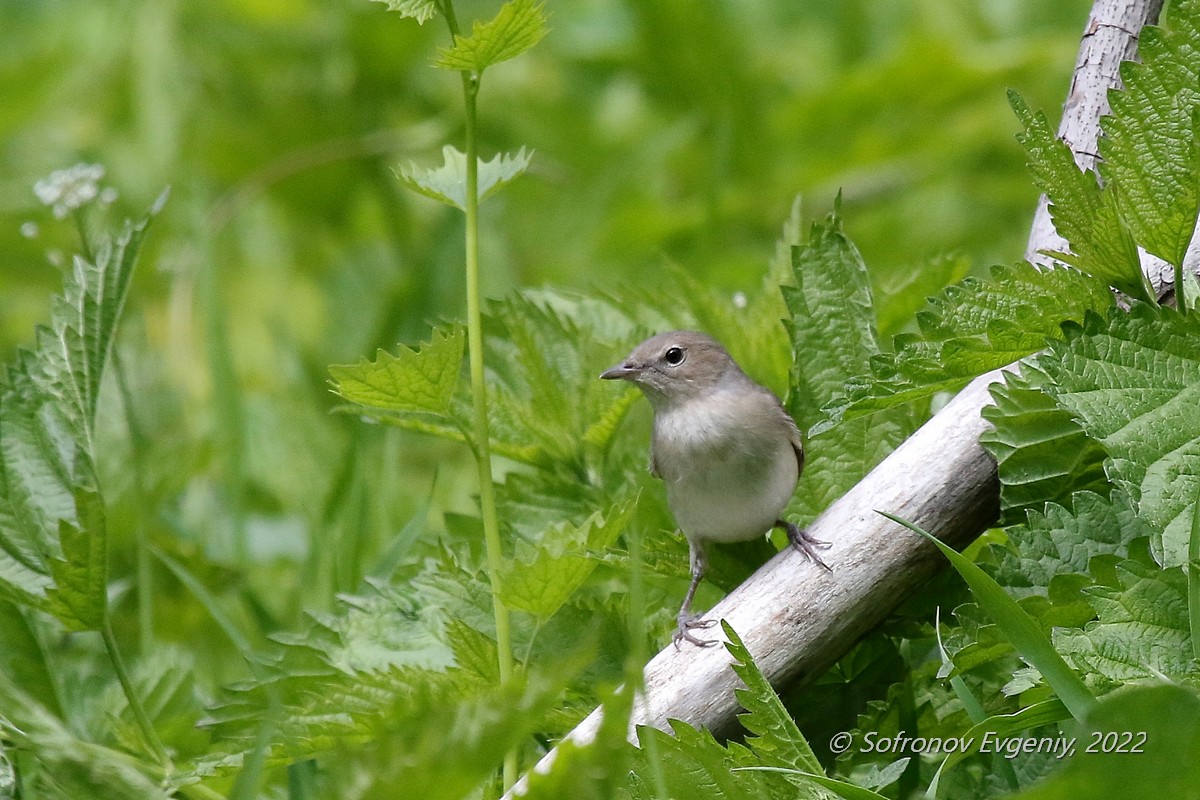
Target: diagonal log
796,619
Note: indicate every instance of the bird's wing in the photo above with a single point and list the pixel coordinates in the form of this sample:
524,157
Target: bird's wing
795,438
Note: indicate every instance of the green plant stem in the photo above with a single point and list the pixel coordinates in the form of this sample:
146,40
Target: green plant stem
135,704
482,433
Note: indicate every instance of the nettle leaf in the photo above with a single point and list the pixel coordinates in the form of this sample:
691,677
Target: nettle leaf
1061,541
972,328
420,10
541,581
1141,631
519,25
693,764
79,768
420,380
448,183
1149,148
51,515
775,739
545,352
1084,214
1042,453
1133,382
81,575
832,329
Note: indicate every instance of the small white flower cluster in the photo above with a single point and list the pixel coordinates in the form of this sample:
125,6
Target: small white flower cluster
68,189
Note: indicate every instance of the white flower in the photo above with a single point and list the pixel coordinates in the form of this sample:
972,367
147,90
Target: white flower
29,229
68,189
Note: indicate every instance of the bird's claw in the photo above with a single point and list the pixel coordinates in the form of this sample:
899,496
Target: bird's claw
683,632
806,544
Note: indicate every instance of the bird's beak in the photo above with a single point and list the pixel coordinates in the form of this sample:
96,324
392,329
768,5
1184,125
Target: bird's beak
620,372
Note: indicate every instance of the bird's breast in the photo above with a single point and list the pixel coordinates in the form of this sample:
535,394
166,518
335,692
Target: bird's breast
728,465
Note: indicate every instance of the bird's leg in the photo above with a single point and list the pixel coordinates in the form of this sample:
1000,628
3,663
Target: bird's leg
686,619
803,542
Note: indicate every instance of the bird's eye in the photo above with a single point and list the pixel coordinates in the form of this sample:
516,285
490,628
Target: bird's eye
674,356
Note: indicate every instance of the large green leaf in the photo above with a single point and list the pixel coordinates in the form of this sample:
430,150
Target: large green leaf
972,328
1141,631
420,381
540,581
1149,148
1042,453
1060,541
774,739
1084,214
1138,743
1133,382
831,324
693,764
52,532
518,26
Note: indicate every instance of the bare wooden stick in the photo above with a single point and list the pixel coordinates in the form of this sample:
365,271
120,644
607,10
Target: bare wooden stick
796,619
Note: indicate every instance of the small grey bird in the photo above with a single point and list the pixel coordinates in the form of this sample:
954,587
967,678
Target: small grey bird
729,453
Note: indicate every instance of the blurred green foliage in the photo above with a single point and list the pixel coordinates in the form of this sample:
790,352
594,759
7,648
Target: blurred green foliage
665,132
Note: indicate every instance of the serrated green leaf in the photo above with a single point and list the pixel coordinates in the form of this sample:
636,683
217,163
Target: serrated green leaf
775,739
1017,625
80,768
542,581
518,26
843,789
1149,148
972,328
48,400
1042,453
1084,214
1141,631
448,183
831,325
1133,382
1060,541
694,764
420,10
420,380
78,597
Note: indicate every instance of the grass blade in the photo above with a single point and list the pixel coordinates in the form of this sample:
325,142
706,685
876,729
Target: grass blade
1021,630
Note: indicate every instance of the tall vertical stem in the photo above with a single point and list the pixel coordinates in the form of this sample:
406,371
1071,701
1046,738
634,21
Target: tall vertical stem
135,704
482,434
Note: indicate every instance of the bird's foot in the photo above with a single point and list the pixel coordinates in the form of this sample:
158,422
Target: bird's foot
688,623
804,543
